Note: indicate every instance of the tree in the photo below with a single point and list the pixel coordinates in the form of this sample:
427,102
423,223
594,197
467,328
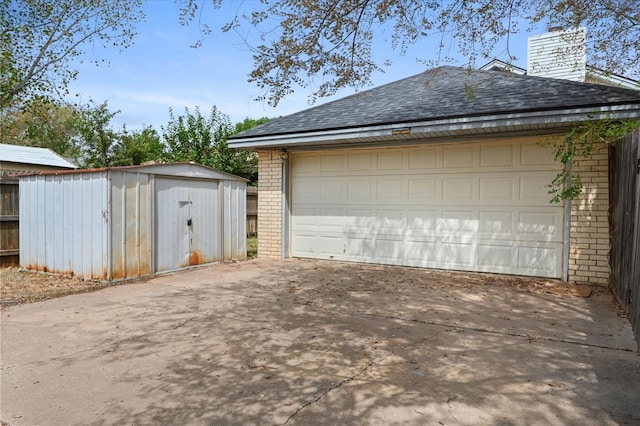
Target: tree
194,137
96,136
330,41
40,40
248,161
41,123
250,123
137,147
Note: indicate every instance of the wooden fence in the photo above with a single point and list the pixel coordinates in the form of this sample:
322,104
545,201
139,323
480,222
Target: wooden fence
625,226
9,229
252,211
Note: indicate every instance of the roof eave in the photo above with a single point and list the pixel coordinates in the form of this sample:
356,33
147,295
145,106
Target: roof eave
435,129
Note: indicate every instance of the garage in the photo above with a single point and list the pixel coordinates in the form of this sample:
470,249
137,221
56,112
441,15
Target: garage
474,207
444,170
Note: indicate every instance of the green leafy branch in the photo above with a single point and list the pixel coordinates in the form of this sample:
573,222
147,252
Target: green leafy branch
580,142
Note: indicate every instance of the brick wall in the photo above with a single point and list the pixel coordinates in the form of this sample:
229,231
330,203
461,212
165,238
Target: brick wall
589,252
269,204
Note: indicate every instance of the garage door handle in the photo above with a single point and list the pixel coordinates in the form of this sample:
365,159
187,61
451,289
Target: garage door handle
189,222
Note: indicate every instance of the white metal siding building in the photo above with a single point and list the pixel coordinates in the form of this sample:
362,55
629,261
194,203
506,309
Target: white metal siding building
126,222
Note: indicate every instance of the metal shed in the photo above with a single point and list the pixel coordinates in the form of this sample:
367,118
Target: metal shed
126,222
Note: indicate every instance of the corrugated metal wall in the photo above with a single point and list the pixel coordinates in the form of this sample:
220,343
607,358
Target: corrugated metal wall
115,224
235,220
131,225
64,224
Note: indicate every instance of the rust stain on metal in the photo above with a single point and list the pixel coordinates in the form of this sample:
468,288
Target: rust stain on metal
195,258
45,269
117,273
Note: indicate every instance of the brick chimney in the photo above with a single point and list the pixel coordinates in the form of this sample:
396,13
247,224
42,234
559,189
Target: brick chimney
558,54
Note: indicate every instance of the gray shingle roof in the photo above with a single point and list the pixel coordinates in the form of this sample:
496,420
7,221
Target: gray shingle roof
446,93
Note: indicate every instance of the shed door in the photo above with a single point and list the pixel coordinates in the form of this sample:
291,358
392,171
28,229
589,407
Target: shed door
187,222
475,207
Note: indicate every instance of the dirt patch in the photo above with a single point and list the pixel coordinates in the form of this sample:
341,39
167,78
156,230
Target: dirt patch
343,277
20,286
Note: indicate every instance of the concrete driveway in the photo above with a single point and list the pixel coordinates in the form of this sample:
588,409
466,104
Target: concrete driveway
306,342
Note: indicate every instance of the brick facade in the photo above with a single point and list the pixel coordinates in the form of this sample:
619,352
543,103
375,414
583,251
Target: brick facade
269,204
590,245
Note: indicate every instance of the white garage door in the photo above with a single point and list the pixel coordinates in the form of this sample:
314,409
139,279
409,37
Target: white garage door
475,207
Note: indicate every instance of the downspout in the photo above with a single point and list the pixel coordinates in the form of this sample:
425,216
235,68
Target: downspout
284,156
566,248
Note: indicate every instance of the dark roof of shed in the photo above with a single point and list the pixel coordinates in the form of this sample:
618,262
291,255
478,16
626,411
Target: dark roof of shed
445,93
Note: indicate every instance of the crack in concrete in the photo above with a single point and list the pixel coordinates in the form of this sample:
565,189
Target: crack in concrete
366,368
482,330
336,386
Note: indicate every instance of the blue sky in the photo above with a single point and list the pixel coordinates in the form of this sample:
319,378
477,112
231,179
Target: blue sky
161,70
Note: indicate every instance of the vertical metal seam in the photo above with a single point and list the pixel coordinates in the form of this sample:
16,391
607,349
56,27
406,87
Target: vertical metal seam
109,226
123,256
220,212
152,226
137,222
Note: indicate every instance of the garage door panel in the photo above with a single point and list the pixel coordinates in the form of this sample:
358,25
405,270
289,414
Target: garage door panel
497,155
390,189
332,163
332,191
458,189
446,207
423,158
304,217
541,226
455,222
458,158
390,160
457,255
496,189
304,244
306,190
495,224
538,259
423,189
361,189
387,250
331,245
331,218
533,189
422,222
360,161
422,253
374,227
495,257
